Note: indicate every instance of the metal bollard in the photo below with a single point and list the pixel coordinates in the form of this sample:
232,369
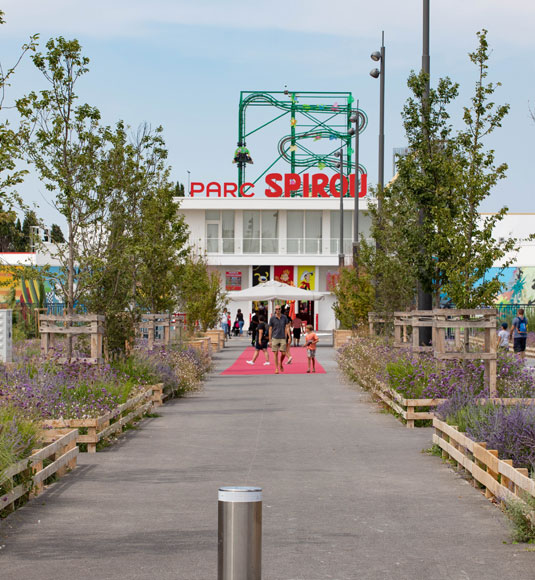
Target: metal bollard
239,533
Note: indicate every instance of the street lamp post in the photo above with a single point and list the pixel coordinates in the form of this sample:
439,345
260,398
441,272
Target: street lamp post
379,56
425,299
340,164
355,118
189,188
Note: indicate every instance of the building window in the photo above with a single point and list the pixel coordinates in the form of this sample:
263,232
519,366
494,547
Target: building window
304,232
219,231
348,232
260,232
270,232
227,230
251,232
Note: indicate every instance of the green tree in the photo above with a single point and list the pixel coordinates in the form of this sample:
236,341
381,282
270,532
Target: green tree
30,220
64,141
10,139
163,246
10,236
472,247
355,297
179,190
56,235
427,178
433,231
199,293
133,261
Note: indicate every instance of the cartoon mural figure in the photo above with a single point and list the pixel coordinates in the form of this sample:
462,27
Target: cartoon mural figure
304,282
260,274
284,274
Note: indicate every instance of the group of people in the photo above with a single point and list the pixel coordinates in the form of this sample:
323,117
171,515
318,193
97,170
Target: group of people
518,332
228,328
278,334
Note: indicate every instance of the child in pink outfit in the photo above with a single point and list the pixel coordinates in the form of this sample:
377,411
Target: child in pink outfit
311,340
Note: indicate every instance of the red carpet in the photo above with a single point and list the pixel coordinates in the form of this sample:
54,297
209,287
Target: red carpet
297,366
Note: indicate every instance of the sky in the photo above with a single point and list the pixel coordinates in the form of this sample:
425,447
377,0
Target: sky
182,64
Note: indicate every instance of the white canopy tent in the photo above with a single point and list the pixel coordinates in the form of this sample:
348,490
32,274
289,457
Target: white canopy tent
273,290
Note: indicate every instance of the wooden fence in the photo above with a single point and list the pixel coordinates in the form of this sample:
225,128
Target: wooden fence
28,476
409,409
499,477
93,324
99,428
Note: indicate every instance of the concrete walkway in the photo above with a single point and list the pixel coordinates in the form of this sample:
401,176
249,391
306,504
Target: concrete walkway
347,494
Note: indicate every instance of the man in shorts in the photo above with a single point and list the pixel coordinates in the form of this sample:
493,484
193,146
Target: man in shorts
278,325
519,331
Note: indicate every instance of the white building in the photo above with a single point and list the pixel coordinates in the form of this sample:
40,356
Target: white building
245,239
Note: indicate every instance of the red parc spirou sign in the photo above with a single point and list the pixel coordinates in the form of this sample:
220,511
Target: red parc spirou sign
279,185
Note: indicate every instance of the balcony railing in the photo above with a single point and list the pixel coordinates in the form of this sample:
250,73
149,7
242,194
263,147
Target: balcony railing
301,246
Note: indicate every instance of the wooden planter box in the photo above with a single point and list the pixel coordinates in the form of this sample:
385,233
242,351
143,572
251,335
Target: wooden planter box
201,344
101,427
340,337
61,454
498,476
217,339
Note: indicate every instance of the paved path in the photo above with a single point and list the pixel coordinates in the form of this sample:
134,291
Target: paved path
347,494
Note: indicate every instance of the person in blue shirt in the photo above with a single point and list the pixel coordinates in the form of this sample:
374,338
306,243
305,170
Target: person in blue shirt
519,332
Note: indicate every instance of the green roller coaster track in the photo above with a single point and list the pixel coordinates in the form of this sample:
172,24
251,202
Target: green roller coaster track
312,116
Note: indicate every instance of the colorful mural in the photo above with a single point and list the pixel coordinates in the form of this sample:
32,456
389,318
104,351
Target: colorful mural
29,291
260,274
284,274
519,285
305,277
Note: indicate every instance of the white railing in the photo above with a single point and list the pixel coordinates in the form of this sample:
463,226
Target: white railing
300,246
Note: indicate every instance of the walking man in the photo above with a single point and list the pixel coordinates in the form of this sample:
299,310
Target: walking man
278,328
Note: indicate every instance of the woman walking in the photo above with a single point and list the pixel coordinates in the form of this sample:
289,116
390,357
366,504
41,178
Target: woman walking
261,343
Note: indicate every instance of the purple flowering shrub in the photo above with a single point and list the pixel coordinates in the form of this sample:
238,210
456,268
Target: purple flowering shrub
509,429
18,436
77,390
419,375
362,360
179,370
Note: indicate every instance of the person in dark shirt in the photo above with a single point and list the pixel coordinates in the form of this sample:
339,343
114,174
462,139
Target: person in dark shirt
253,327
261,342
278,330
239,320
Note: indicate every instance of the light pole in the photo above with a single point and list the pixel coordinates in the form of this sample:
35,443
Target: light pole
340,164
356,119
189,189
379,56
425,299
